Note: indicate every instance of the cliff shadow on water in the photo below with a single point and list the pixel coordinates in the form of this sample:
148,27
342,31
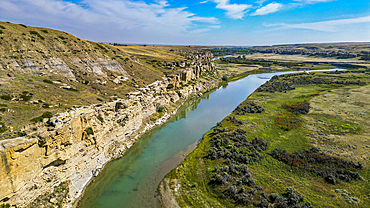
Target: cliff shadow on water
134,167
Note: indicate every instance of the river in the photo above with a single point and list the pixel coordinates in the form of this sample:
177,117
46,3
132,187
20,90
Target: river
131,181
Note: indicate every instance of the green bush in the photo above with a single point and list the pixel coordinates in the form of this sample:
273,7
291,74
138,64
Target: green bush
225,78
1,32
46,105
61,37
100,118
89,131
2,110
99,99
2,27
2,128
3,105
23,25
37,119
5,206
26,97
32,32
161,109
47,81
45,31
47,114
6,97
100,46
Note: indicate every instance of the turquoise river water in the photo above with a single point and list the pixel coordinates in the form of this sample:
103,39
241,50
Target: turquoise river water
132,181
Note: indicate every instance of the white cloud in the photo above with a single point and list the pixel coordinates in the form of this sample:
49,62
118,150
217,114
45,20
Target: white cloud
325,26
108,20
269,8
313,1
260,2
234,11
203,2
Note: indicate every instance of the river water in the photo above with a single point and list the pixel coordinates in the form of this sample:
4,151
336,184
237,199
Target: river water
131,181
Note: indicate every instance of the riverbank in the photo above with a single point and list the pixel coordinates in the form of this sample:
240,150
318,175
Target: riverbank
339,133
72,148
135,177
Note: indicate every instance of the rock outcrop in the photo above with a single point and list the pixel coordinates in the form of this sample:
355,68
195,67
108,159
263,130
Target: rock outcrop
75,145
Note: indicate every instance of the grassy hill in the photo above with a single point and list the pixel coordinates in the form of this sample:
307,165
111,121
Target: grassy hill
45,70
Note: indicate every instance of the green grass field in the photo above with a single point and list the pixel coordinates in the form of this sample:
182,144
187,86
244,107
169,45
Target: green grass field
192,181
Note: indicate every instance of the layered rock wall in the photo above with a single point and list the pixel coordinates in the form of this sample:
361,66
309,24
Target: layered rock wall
75,145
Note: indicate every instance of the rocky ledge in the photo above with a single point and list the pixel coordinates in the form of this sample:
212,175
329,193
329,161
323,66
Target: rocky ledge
70,149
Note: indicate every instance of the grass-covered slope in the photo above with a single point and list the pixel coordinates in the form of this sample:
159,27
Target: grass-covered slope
45,70
299,141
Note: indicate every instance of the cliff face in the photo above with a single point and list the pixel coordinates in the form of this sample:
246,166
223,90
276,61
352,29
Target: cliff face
75,145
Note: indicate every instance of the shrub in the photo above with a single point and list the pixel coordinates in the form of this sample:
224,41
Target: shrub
249,107
297,108
32,32
5,206
25,97
45,31
100,46
47,81
47,114
1,32
3,105
2,110
328,167
99,99
46,105
225,78
23,25
2,127
6,97
288,123
2,27
37,119
61,37
100,118
160,109
89,131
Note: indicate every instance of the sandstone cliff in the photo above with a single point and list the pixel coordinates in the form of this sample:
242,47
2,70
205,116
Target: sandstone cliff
73,146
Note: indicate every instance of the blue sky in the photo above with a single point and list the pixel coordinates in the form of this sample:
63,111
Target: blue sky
200,22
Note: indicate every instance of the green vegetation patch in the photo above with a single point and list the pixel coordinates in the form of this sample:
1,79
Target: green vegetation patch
32,32
337,126
6,97
288,123
89,131
2,127
37,119
100,118
232,169
47,81
297,107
